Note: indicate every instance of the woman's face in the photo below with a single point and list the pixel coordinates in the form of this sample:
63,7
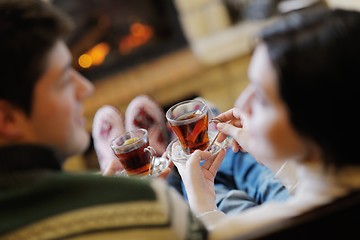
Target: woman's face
272,139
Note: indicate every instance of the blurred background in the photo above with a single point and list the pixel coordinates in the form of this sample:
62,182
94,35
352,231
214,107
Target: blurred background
171,50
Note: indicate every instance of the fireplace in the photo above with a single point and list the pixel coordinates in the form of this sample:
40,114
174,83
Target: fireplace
111,35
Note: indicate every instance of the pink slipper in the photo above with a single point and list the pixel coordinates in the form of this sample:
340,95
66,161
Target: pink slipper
107,124
144,112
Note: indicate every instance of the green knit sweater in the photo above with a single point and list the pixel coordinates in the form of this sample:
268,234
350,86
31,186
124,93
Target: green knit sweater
39,201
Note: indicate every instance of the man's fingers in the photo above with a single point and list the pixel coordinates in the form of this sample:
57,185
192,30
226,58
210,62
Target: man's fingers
165,173
111,168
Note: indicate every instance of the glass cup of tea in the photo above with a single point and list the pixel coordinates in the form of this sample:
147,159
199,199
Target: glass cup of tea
136,155
190,120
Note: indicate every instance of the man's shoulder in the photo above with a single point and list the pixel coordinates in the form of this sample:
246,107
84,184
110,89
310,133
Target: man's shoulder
117,187
67,204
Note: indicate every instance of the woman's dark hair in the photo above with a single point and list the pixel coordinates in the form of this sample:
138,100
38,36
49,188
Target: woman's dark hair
28,31
316,53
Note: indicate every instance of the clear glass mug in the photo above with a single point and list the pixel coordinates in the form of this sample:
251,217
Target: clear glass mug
189,121
134,152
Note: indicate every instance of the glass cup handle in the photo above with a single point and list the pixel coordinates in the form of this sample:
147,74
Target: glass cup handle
152,152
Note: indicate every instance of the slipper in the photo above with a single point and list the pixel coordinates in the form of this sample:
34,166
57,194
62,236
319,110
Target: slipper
108,123
144,112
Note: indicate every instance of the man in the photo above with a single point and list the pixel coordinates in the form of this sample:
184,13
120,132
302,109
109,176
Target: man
41,124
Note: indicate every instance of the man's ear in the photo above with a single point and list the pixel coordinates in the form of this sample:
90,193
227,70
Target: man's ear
9,127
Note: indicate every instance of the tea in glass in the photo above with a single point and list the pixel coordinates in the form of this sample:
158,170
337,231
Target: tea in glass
134,152
189,121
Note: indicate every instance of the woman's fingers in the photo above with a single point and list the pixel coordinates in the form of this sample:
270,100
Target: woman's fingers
216,162
198,156
229,130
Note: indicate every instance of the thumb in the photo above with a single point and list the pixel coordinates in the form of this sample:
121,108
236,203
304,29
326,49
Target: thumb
112,168
239,134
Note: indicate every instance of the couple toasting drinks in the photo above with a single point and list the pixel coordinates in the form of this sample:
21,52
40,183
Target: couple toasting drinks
303,70
188,120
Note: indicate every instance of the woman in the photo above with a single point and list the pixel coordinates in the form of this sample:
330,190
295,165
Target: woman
303,78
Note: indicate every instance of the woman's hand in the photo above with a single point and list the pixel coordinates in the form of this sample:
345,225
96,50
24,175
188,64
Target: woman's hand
232,124
198,178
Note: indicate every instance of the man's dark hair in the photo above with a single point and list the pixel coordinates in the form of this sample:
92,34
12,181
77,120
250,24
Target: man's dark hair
28,31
